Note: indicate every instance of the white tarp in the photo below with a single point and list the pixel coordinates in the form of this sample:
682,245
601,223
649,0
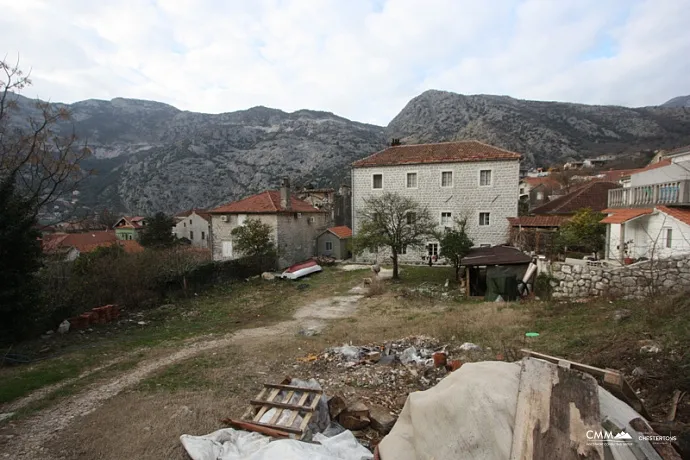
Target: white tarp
230,444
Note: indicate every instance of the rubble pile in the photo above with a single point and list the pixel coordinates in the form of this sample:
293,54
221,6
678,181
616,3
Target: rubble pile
370,383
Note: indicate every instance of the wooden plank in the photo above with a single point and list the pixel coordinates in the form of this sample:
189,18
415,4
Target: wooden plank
305,422
282,405
611,380
291,387
555,409
285,429
302,402
257,427
248,413
263,410
315,402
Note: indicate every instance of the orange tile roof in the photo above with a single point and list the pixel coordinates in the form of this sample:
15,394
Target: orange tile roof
682,214
538,221
266,203
130,222
618,216
593,195
444,152
341,232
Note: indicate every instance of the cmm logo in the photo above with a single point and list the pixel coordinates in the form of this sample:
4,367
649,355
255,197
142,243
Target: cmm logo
608,437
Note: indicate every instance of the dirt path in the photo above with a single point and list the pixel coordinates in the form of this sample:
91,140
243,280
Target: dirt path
36,431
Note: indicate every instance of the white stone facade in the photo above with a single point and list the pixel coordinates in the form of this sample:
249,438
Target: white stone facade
195,228
463,197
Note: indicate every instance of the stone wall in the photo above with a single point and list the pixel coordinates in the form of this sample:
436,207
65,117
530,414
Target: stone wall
630,281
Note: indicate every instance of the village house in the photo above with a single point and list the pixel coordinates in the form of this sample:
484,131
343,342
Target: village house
295,224
129,228
536,191
335,242
69,246
649,217
338,204
453,180
195,226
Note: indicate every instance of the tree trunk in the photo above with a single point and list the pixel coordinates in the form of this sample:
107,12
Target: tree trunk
457,273
395,265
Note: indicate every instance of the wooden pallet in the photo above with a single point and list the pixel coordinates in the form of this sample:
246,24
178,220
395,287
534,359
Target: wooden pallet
610,379
268,398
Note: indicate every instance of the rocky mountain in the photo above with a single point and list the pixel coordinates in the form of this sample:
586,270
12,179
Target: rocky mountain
150,156
545,132
680,101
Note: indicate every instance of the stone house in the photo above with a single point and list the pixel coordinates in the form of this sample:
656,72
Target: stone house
466,179
537,191
295,224
338,204
650,216
129,228
335,242
194,225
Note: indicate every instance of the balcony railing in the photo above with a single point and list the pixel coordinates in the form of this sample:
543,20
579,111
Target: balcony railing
668,193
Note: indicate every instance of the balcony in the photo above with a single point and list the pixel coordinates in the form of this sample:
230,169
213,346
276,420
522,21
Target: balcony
646,196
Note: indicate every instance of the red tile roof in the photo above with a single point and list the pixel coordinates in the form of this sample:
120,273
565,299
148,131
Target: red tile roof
341,232
546,180
444,152
86,242
593,195
682,214
130,222
265,203
618,216
538,221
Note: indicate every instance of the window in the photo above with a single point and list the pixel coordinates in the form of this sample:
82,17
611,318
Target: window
403,250
203,235
190,221
483,218
241,218
227,249
411,218
522,190
669,237
446,219
377,181
329,246
191,235
446,178
485,177
412,180
432,249
184,225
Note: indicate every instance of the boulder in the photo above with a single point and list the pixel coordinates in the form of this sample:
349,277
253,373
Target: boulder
336,405
268,276
352,423
381,419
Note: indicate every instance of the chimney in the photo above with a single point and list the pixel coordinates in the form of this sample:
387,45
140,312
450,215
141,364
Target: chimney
285,202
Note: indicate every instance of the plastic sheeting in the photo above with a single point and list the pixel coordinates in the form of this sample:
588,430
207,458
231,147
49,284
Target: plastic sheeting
230,444
471,415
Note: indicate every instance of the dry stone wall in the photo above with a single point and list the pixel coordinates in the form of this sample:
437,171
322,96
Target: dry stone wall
642,279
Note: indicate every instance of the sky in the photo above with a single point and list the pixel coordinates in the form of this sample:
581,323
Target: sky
361,59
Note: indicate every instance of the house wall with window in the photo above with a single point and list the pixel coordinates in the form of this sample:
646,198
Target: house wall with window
656,236
484,192
330,245
296,236
222,225
195,228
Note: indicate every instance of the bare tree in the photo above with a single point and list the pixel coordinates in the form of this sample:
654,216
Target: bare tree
565,178
43,163
393,221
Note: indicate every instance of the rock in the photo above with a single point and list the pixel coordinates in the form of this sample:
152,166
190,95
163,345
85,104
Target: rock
352,423
268,276
6,415
388,359
50,332
638,372
141,323
336,405
447,283
566,269
620,315
367,281
63,328
309,332
357,409
469,346
649,346
381,419
373,356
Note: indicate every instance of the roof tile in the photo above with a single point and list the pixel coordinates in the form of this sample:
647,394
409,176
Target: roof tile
444,152
538,221
341,232
619,216
265,203
682,214
593,195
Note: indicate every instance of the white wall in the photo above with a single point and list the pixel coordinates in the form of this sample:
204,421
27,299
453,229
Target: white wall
196,229
670,173
222,231
464,199
648,235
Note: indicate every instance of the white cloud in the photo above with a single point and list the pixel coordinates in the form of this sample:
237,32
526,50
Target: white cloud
360,59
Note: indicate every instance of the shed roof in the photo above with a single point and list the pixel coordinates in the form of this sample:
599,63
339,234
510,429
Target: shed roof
496,255
442,152
342,231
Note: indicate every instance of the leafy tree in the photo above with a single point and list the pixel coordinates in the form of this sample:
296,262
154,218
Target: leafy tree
158,232
393,221
584,232
456,244
37,166
254,238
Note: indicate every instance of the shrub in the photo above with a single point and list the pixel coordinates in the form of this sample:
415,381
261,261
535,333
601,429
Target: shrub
542,286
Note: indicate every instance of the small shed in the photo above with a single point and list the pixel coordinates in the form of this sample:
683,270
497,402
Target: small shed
334,242
494,271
